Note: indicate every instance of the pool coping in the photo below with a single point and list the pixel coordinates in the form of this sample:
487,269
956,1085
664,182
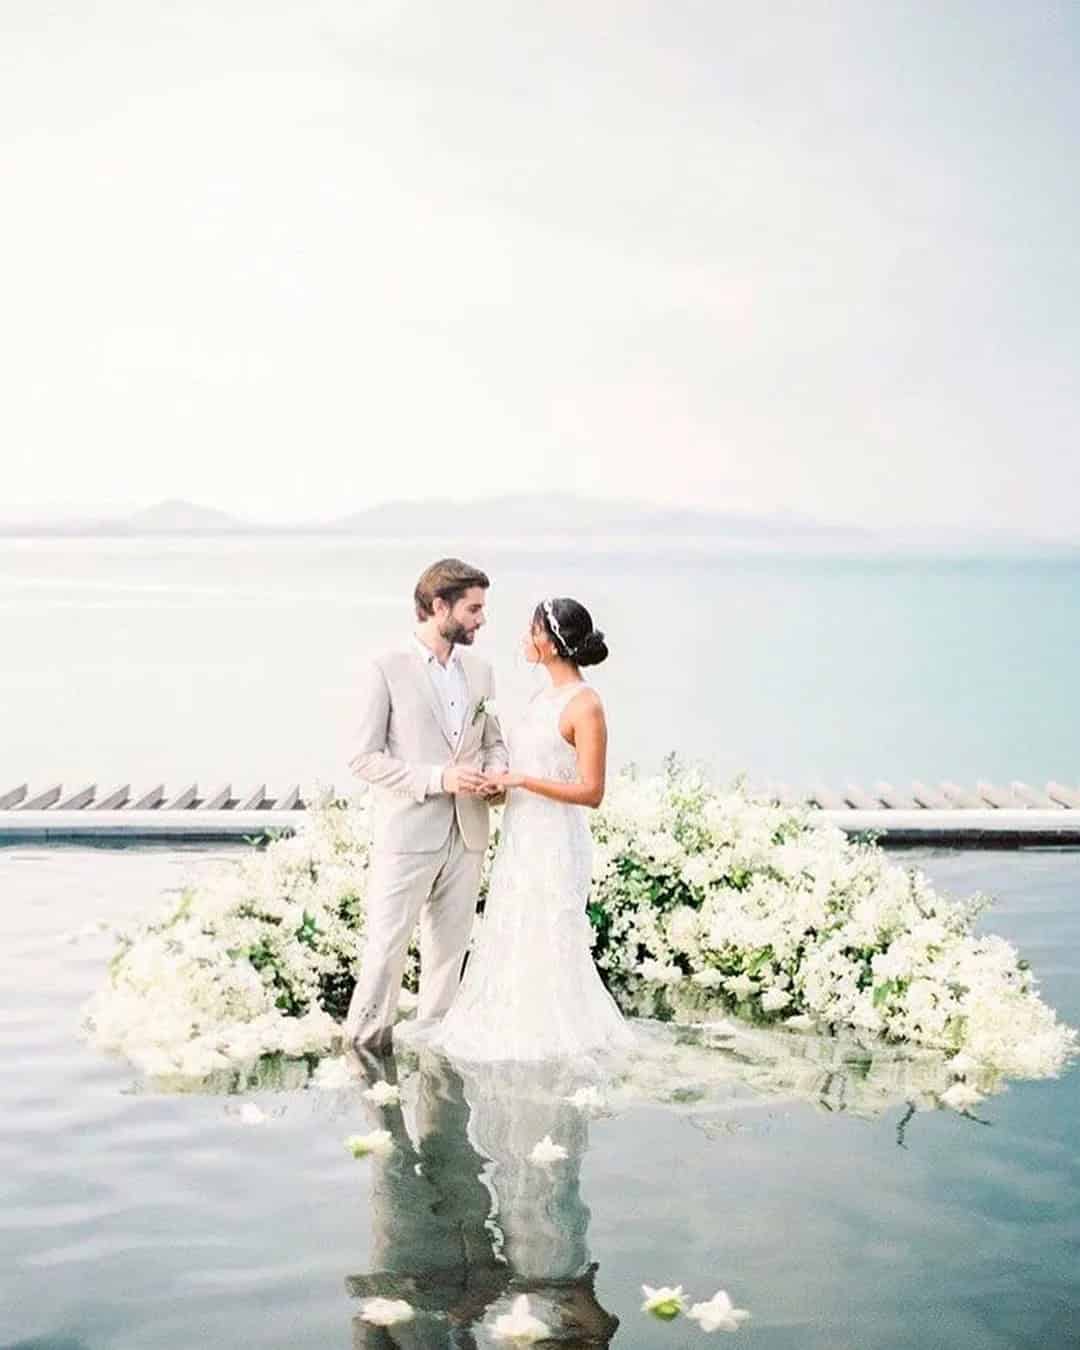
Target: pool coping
990,828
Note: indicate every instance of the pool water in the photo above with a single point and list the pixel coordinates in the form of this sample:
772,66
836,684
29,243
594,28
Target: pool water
140,1221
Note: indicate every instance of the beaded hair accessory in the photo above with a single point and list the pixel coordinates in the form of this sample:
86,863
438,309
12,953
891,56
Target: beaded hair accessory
553,624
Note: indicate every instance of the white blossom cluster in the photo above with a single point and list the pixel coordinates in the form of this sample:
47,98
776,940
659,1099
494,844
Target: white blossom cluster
705,903
258,959
709,901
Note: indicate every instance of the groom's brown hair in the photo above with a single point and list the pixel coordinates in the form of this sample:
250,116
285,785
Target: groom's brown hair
449,579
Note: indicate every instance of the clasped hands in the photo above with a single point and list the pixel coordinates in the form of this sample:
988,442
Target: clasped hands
465,782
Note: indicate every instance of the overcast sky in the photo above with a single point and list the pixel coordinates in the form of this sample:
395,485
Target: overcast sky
292,259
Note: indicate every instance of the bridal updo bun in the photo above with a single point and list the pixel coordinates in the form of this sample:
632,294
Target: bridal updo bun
593,650
570,628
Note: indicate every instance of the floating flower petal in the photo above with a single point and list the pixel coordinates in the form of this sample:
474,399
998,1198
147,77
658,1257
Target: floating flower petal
718,1314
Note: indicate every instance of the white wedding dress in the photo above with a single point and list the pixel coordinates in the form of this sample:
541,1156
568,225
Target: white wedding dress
531,991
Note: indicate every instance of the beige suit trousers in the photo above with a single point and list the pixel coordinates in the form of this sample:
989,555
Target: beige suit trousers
440,889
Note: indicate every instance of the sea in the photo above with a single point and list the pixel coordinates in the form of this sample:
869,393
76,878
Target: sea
133,1219
235,659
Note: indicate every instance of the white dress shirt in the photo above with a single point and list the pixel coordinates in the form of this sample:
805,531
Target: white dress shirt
452,694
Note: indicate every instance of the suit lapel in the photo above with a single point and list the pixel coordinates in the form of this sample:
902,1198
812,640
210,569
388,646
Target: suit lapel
432,698
466,725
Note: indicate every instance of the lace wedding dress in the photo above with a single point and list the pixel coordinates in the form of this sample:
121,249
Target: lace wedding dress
531,991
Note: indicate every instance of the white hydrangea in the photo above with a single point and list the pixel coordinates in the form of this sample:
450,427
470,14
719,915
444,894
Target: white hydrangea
683,929
774,907
660,972
703,899
772,1000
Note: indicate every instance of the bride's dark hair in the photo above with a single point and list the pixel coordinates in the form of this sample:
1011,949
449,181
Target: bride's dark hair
576,639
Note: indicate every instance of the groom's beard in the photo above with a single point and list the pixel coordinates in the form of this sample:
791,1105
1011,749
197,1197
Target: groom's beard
457,634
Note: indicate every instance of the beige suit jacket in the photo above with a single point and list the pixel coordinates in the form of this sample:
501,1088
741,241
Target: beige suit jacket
402,737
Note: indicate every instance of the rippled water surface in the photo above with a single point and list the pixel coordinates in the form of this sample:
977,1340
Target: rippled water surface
134,1221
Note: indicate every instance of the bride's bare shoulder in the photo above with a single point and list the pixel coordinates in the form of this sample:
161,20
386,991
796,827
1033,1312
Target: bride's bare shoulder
586,702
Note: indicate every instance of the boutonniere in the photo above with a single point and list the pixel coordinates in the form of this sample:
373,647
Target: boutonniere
485,708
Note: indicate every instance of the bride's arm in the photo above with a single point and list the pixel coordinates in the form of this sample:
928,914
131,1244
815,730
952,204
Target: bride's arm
590,741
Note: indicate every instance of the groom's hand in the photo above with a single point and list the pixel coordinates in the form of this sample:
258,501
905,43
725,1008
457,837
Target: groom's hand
462,782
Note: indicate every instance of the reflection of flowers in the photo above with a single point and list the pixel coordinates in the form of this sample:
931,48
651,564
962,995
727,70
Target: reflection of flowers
665,1303
695,1070
250,1114
332,1074
519,1326
589,1100
378,1142
718,1314
386,1312
547,1152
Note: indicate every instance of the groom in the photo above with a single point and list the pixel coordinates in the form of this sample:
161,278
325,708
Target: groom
428,736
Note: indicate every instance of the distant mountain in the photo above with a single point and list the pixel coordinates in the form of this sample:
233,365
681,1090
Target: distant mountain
534,516
175,516
520,516
560,513
540,514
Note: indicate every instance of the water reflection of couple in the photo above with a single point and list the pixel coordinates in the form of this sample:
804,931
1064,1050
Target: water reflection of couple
463,1222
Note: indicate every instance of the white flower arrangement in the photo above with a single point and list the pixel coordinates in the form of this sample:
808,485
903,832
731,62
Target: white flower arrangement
257,960
796,921
705,902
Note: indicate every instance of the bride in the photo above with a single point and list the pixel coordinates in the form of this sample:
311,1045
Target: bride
531,991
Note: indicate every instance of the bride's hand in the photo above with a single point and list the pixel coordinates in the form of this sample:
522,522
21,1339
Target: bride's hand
500,782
